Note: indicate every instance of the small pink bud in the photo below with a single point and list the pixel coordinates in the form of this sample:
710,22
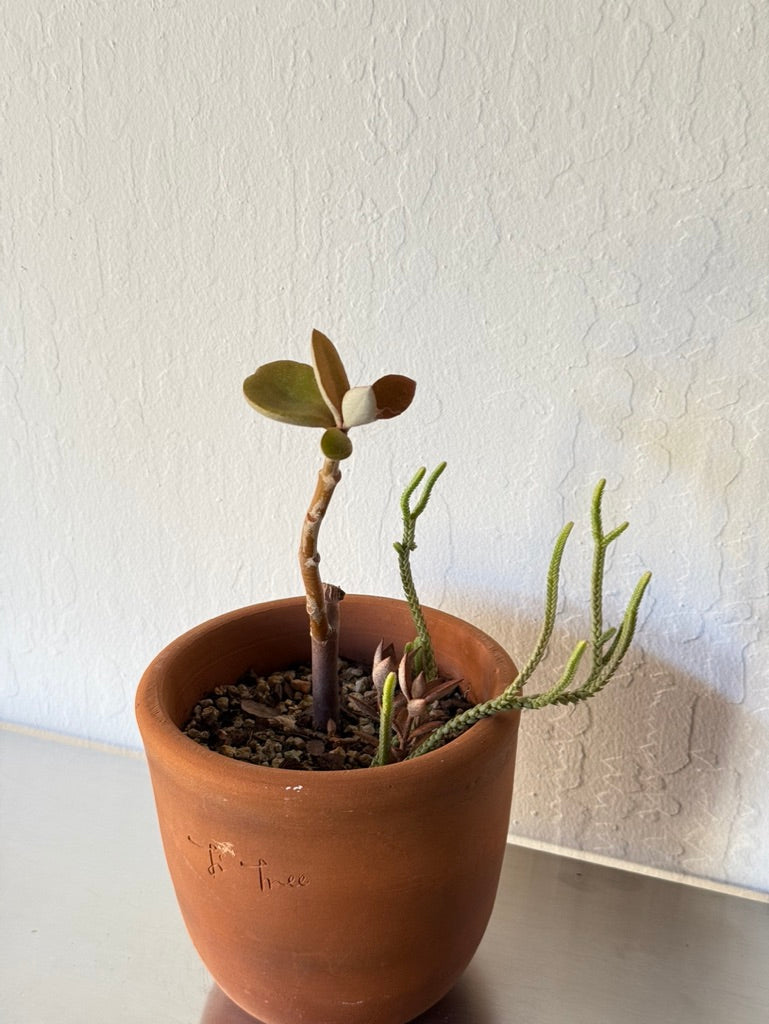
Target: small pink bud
417,707
384,664
419,686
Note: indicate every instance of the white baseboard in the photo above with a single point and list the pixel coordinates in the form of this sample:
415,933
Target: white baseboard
640,869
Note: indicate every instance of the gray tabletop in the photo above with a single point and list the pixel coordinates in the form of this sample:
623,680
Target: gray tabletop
91,931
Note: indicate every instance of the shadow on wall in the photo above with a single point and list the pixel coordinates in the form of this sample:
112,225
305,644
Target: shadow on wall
656,770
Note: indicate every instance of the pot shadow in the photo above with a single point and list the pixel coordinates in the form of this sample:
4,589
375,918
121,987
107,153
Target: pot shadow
466,1003
220,1009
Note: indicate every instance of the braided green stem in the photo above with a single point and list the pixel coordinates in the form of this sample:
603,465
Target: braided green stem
404,549
551,606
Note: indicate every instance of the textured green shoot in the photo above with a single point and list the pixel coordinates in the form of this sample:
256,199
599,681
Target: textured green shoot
551,607
404,547
385,721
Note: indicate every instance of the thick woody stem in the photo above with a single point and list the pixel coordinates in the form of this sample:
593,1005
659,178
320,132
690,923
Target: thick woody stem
325,666
328,477
322,603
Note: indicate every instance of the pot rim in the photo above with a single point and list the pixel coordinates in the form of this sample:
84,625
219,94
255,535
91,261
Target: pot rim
164,739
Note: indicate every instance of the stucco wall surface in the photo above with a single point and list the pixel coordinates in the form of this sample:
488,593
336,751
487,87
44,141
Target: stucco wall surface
552,215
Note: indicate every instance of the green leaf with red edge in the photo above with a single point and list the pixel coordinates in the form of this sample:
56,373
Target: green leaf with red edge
330,374
335,444
393,394
287,391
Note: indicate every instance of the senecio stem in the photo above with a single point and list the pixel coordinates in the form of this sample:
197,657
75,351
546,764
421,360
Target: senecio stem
404,549
321,602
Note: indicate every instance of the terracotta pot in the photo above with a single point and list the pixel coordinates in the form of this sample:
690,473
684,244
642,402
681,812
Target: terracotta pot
345,897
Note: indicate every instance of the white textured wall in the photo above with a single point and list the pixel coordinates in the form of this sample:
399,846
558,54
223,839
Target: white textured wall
552,215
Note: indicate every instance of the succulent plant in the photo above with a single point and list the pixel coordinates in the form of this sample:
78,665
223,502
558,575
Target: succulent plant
606,648
320,396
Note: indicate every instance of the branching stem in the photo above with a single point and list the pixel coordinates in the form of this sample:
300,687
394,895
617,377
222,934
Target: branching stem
404,548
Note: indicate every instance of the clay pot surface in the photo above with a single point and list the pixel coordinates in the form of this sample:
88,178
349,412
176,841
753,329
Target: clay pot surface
342,897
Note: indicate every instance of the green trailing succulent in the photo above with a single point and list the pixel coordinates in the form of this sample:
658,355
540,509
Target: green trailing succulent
607,647
319,395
